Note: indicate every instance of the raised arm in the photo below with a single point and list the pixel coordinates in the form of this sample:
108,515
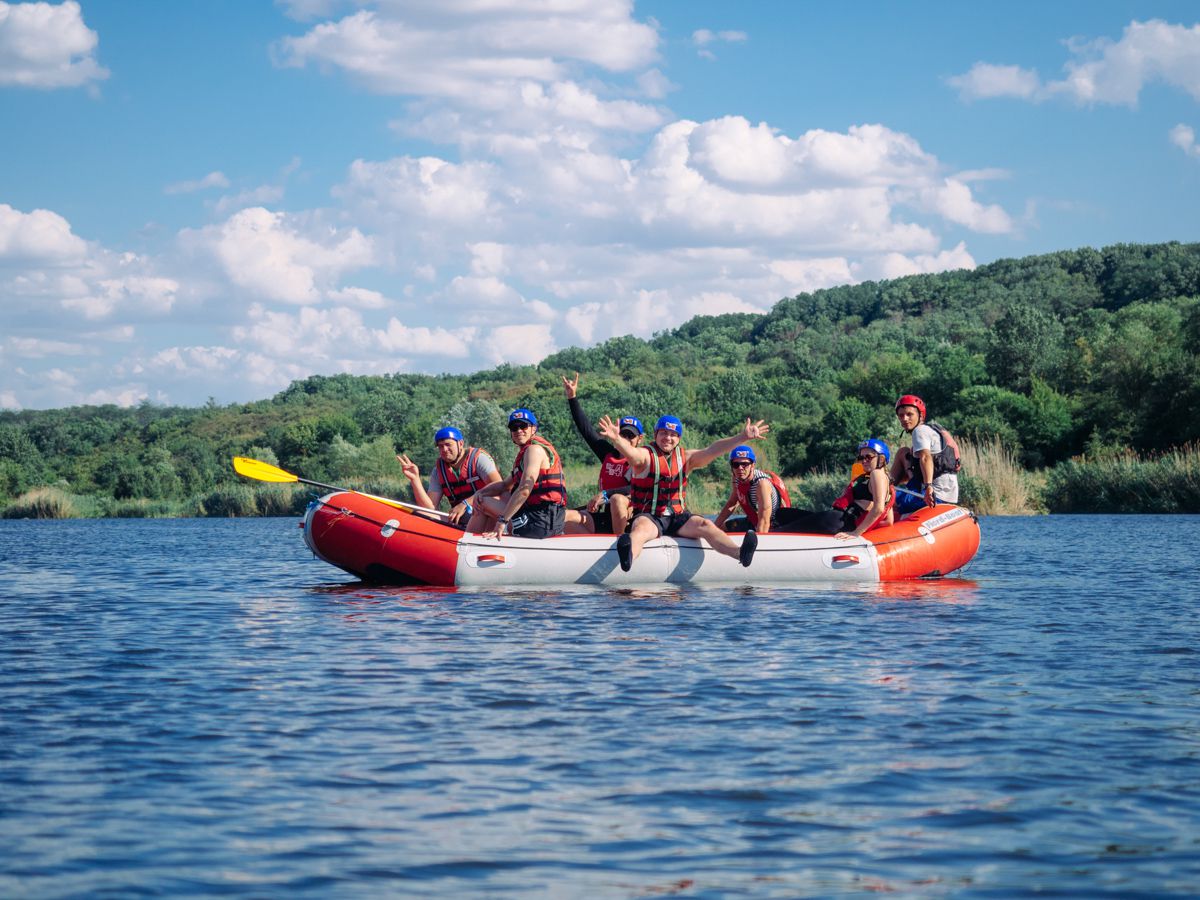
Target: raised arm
638,457
583,425
413,473
698,459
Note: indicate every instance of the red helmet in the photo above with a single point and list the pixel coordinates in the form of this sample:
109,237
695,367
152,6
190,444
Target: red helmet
912,400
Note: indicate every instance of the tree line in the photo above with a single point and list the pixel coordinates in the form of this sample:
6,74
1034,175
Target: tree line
1077,352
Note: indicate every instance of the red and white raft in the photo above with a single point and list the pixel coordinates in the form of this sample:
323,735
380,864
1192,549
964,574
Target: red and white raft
387,545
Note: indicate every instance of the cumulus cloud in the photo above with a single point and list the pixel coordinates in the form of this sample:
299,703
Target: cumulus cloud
279,257
40,235
1100,70
1184,137
43,45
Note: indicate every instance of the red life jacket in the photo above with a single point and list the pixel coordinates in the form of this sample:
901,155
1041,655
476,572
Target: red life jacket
860,489
743,493
614,473
664,486
549,487
462,479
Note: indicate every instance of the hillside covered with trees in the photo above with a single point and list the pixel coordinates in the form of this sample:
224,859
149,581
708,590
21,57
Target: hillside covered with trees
1084,351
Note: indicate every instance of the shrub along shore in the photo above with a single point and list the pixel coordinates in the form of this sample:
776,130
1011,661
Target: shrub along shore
991,484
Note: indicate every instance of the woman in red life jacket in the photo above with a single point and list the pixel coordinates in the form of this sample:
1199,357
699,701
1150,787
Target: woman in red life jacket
459,472
761,495
607,512
659,489
532,502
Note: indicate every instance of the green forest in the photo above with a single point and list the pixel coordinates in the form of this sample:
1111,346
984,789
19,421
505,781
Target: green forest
1066,360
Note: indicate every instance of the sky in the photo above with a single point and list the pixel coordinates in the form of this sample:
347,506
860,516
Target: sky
208,200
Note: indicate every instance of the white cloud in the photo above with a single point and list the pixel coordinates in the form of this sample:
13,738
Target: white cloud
270,255
492,67
47,46
1101,70
38,236
211,180
38,348
704,38
984,81
1184,137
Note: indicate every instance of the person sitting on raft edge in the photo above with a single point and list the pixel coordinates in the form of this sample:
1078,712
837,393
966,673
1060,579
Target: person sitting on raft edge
865,504
760,493
930,468
532,501
459,472
660,473
613,485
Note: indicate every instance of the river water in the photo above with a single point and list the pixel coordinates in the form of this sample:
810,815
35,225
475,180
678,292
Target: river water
200,708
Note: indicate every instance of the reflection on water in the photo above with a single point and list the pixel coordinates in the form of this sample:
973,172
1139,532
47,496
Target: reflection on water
202,708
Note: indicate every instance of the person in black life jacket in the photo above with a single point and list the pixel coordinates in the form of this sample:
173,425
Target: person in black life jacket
865,504
761,495
532,501
660,473
459,472
607,512
870,497
924,470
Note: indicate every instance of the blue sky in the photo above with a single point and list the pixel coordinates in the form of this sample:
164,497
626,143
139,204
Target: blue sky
214,198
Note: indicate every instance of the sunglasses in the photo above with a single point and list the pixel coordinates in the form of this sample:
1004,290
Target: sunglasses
519,426
866,457
739,465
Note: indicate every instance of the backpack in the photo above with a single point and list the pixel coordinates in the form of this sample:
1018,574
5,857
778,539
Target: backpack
946,461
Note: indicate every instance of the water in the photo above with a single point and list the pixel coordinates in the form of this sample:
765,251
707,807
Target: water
199,707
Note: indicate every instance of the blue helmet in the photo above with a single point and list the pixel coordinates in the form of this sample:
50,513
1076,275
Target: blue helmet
627,422
669,423
877,446
742,452
522,415
448,433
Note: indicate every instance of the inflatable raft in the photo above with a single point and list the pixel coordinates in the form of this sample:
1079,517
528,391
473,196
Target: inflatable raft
384,544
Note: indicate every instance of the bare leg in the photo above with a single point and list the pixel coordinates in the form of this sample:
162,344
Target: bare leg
700,527
579,521
618,507
643,530
487,511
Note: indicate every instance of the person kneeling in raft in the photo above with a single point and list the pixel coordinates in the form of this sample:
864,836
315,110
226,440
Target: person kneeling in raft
659,489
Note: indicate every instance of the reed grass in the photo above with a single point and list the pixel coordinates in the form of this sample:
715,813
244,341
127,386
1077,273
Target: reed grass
992,483
1123,482
42,503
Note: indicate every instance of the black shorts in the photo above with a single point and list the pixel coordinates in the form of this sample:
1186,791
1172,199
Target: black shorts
668,524
541,521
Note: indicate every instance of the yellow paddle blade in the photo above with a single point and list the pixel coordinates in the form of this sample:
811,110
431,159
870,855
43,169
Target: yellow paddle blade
261,471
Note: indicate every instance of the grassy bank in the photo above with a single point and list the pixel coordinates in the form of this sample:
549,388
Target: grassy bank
1125,483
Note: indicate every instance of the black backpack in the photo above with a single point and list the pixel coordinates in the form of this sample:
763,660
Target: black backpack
946,461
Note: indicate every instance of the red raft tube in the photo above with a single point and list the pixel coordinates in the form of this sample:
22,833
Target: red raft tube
384,544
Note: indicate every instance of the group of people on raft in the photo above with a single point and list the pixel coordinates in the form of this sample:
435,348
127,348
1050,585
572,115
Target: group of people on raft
642,487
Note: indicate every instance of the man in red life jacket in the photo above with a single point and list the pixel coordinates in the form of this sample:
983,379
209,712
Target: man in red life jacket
613,485
660,473
761,495
532,501
459,472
